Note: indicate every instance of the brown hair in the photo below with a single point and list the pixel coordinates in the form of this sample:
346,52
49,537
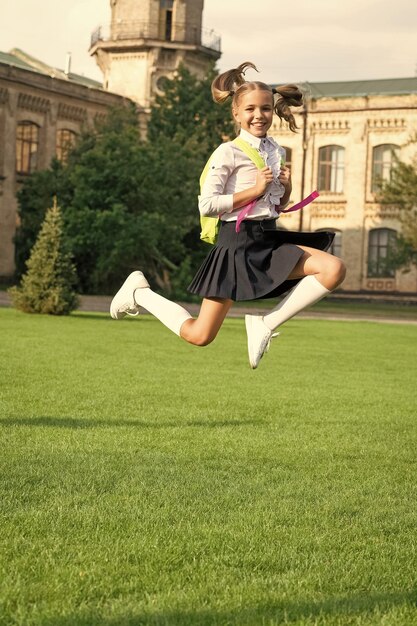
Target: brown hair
232,84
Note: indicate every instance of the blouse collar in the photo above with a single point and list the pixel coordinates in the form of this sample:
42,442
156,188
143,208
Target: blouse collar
255,142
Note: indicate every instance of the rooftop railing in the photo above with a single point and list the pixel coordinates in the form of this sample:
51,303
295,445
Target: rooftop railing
176,33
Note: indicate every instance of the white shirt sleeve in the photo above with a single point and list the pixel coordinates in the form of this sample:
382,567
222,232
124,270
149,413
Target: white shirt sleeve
213,201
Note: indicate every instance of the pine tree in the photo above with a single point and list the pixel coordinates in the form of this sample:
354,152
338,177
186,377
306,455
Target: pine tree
48,285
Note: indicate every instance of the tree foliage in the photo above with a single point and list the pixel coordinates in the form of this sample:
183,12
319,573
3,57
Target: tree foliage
129,202
187,115
49,284
401,192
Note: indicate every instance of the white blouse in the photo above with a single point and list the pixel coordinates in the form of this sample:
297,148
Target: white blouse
232,171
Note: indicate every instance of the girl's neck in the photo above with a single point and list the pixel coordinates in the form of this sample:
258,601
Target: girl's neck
252,135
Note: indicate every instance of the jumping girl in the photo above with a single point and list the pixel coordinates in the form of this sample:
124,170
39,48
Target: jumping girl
252,258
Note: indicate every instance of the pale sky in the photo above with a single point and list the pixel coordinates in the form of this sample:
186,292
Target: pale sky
306,40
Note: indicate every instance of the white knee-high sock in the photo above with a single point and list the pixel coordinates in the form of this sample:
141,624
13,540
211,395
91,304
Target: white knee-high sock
308,291
171,314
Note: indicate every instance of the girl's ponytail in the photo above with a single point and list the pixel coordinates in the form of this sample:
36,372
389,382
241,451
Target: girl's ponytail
287,96
225,85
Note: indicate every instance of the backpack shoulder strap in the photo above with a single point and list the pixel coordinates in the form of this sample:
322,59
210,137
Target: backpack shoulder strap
250,152
245,147
209,225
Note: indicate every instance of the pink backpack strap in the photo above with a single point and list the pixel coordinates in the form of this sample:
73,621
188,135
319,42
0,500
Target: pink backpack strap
296,207
243,213
300,205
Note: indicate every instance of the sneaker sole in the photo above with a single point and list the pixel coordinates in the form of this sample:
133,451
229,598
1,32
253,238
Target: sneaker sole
140,283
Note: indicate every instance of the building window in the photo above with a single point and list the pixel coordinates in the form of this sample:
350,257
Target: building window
381,248
65,140
336,247
331,169
383,161
27,141
166,7
288,156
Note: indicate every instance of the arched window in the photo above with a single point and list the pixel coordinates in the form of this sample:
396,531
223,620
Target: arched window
331,169
288,156
336,247
27,141
65,140
383,161
381,247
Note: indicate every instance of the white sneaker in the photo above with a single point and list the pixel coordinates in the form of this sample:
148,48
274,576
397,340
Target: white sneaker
123,302
259,338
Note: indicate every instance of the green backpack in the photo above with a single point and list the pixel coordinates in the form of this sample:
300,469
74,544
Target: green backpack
210,225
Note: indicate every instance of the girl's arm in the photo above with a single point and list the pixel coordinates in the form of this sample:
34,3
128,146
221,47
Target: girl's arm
212,200
263,178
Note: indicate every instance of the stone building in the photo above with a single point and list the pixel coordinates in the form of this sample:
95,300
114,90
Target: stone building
349,134
348,131
42,110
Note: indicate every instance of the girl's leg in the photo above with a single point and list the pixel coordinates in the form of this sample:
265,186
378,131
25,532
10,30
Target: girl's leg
200,331
203,330
320,272
136,292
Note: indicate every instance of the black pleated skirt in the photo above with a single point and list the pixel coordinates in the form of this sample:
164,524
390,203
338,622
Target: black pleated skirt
255,262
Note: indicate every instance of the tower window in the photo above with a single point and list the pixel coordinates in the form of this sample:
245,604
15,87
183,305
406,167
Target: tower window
166,8
168,26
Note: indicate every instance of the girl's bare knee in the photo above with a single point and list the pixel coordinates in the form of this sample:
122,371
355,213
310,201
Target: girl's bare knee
202,341
199,341
203,338
197,338
337,271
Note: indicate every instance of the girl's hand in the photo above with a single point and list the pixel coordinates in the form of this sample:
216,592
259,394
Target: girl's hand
263,178
285,176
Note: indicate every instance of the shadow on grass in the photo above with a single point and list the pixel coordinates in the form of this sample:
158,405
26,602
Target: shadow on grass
72,422
270,613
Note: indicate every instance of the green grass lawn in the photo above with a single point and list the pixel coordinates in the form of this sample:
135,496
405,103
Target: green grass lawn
145,481
350,308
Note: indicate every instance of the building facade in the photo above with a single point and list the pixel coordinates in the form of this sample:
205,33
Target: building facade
42,110
349,132
349,135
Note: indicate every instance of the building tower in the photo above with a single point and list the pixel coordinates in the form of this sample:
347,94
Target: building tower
145,43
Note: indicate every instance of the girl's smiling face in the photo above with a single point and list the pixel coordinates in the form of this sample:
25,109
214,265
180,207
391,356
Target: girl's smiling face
254,112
